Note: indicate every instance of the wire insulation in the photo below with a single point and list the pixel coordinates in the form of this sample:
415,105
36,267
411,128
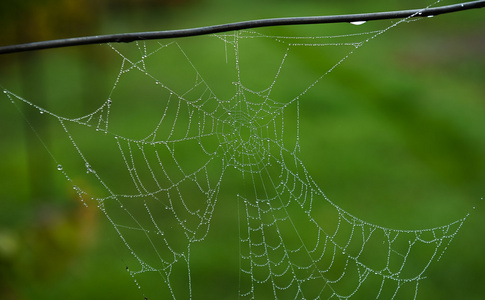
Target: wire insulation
151,35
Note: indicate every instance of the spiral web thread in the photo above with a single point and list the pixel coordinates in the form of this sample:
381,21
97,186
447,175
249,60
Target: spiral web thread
293,242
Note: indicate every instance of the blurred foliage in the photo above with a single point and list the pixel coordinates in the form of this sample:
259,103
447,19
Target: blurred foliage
38,20
28,21
46,247
400,136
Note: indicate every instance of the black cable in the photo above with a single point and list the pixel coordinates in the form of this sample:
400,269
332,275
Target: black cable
151,35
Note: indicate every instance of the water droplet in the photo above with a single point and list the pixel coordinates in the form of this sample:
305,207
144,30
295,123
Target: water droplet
59,167
4,91
430,16
41,111
109,101
357,22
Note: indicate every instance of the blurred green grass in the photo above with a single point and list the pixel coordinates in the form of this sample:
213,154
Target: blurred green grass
396,140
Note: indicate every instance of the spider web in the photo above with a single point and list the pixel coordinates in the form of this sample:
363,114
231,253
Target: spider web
199,147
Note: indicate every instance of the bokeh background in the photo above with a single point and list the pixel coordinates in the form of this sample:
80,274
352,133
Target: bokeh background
397,139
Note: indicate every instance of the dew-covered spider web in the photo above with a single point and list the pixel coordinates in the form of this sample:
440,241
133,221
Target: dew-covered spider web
183,152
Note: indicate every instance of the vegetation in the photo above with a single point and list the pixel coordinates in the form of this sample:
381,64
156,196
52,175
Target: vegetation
397,138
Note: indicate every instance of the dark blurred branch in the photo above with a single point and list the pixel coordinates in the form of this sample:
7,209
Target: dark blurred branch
130,37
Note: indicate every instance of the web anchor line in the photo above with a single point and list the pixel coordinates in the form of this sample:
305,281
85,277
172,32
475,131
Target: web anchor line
167,175
155,35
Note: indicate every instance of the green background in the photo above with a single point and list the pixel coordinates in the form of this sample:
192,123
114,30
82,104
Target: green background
396,139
